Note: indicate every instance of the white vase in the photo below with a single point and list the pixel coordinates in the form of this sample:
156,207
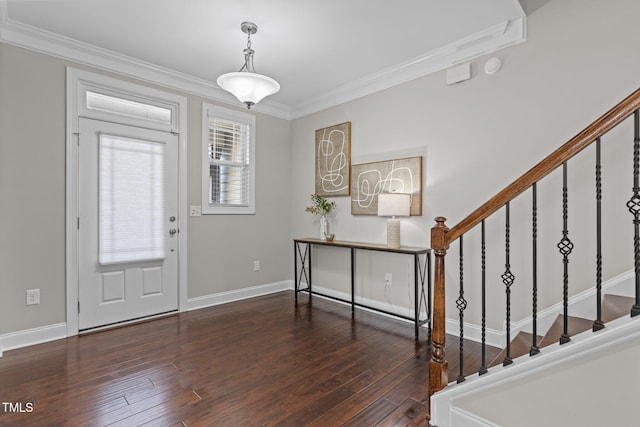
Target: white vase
324,227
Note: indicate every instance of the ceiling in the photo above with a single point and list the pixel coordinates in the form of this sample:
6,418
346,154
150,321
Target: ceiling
322,52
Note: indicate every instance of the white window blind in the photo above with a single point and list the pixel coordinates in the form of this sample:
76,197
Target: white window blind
228,165
131,200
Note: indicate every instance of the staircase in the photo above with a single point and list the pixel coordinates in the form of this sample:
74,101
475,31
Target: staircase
590,382
613,307
534,347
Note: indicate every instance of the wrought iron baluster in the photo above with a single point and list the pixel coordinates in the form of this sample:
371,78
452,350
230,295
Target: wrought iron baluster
534,229
565,246
483,363
634,207
598,324
508,278
461,303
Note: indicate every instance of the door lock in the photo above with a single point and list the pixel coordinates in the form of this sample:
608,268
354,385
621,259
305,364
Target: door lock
172,218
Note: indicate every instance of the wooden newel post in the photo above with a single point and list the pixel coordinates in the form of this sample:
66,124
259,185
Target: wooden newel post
438,364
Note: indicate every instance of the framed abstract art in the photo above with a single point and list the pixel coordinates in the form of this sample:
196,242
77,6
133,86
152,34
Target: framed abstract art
333,160
389,176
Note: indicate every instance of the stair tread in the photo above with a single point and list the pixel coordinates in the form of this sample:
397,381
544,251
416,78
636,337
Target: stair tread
615,306
520,346
576,325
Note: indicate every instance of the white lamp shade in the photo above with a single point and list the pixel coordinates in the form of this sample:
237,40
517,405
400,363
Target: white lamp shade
248,87
394,204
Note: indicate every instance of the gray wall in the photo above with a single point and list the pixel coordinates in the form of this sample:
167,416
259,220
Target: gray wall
32,188
579,60
477,136
221,249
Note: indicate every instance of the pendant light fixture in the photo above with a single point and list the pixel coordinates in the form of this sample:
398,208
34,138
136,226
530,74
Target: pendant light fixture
247,85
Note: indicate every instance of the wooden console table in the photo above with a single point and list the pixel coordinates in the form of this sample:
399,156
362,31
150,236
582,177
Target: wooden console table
422,271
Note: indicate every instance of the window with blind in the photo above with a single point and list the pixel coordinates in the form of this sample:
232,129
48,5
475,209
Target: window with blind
228,161
131,200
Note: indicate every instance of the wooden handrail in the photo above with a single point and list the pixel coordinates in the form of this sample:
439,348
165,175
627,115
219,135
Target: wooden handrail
442,237
572,147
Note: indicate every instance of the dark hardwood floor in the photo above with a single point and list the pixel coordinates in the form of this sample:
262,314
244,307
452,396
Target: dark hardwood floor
256,362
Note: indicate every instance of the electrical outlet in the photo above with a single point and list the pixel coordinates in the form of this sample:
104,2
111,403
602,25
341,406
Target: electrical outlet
33,296
256,265
387,279
194,210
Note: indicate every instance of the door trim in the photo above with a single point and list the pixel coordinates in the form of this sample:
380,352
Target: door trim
76,81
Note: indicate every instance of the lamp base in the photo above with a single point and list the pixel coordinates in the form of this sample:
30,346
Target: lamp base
393,233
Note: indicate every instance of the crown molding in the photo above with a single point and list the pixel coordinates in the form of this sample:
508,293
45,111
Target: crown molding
42,41
499,36
505,34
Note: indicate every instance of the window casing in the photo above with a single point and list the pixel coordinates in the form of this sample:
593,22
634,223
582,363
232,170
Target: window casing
228,166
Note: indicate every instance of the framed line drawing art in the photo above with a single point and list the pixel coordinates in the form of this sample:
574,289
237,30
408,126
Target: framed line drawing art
333,160
399,175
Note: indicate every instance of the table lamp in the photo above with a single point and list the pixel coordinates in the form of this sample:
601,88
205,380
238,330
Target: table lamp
393,205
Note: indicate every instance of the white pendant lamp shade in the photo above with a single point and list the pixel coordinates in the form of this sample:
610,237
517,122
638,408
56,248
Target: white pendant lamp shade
248,87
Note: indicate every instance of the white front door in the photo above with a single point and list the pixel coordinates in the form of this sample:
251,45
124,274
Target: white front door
127,237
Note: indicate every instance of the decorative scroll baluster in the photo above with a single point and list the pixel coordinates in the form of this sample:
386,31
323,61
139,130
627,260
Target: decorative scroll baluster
565,246
442,236
534,229
508,278
483,363
461,303
634,208
598,324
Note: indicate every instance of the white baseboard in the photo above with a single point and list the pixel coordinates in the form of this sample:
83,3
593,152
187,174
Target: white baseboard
18,339
580,305
33,336
493,337
236,295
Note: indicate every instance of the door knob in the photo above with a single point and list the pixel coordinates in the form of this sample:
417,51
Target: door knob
173,231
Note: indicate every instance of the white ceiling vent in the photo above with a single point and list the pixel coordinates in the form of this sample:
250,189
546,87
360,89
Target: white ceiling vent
459,74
